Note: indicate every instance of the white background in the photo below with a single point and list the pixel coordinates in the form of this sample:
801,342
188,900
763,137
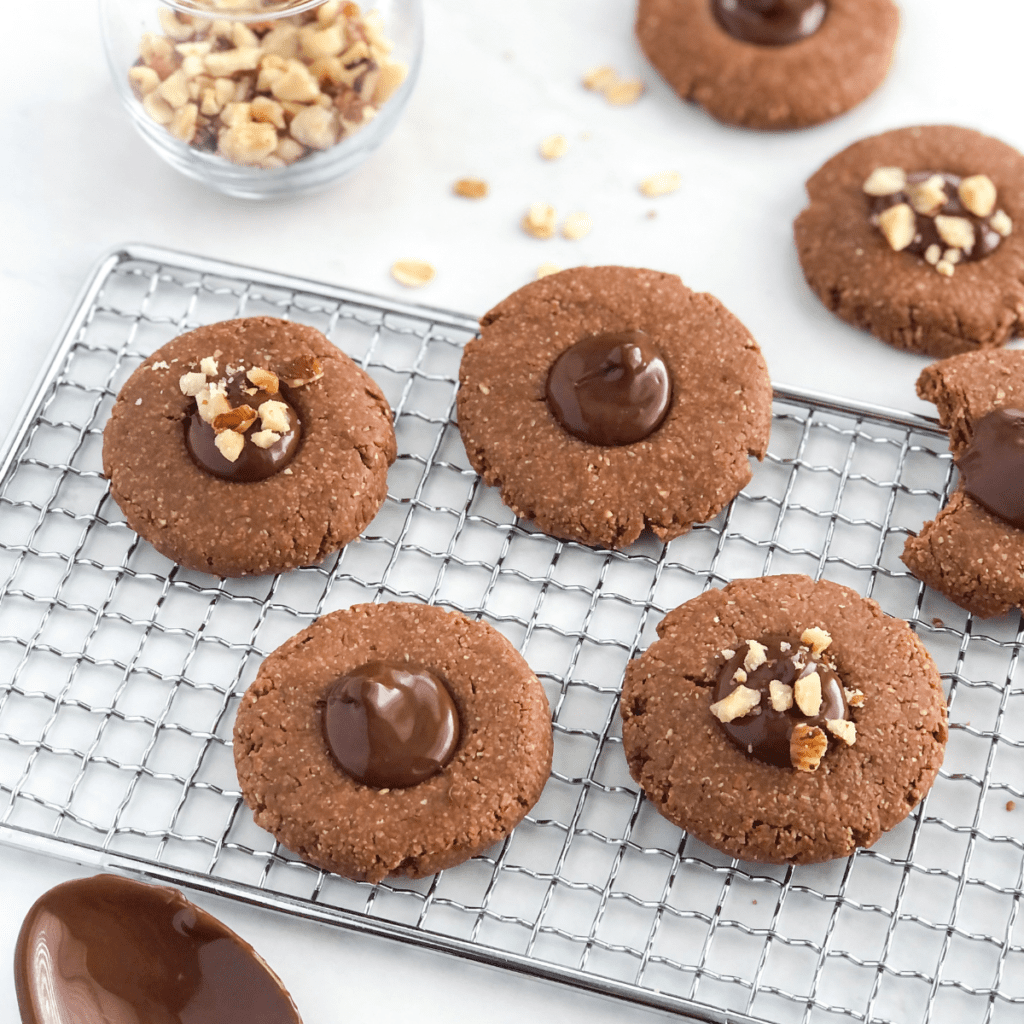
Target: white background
497,78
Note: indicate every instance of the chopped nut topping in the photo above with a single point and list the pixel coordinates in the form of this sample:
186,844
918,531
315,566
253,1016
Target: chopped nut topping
540,220
955,231
740,702
807,747
885,181
978,194
932,254
274,416
928,196
192,383
844,729
547,269
470,188
945,268
1001,222
781,695
898,226
952,256
265,438
208,366
855,698
757,654
816,638
728,653
740,676
807,693
661,184
240,418
301,371
412,273
211,401
229,444
577,225
554,146
265,380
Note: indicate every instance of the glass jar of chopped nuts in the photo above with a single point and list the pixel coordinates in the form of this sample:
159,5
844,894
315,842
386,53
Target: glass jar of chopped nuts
263,99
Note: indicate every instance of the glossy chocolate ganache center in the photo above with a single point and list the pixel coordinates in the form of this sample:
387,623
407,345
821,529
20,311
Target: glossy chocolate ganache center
610,389
770,22
992,465
390,725
108,950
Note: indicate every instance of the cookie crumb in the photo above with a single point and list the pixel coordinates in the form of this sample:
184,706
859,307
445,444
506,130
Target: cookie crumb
660,184
138,401
470,188
577,225
412,273
547,269
161,365
554,146
539,220
740,702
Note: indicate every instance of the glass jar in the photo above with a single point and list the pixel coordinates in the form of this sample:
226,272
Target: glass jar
263,99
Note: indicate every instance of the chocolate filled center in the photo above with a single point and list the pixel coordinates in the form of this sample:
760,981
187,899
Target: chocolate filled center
770,22
108,950
765,732
390,725
610,389
254,461
992,466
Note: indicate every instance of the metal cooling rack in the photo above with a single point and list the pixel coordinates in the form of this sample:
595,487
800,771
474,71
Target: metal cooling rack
120,674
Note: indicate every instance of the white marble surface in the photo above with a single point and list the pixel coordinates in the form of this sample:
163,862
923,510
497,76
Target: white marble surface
496,79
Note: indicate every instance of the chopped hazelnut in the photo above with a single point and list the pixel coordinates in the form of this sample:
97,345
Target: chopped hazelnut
282,40
945,268
327,42
547,269
1001,222
807,693
624,92
470,188
301,371
208,366
183,124
274,416
739,676
554,146
265,380
158,108
577,225
540,220
412,273
728,653
898,225
143,80
932,254
781,695
263,108
240,418
192,383
315,127
172,26
661,184
855,698
928,196
740,702
807,746
224,63
174,89
248,142
978,194
296,84
392,75
229,444
265,438
212,401
757,655
885,181
816,638
843,729
955,231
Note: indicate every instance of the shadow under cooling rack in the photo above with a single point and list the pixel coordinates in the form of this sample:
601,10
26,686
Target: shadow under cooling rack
120,674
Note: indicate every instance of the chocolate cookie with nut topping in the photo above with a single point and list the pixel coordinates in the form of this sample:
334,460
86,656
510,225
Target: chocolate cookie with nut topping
392,739
973,551
784,720
911,235
604,400
249,446
770,64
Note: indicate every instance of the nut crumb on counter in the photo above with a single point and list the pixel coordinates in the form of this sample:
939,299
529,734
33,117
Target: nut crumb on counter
412,273
471,188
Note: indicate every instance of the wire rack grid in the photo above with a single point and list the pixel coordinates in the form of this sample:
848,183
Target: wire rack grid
120,674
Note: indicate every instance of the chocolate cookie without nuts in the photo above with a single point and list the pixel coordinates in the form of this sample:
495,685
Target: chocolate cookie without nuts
652,427
973,551
274,458
928,265
852,777
299,792
772,64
